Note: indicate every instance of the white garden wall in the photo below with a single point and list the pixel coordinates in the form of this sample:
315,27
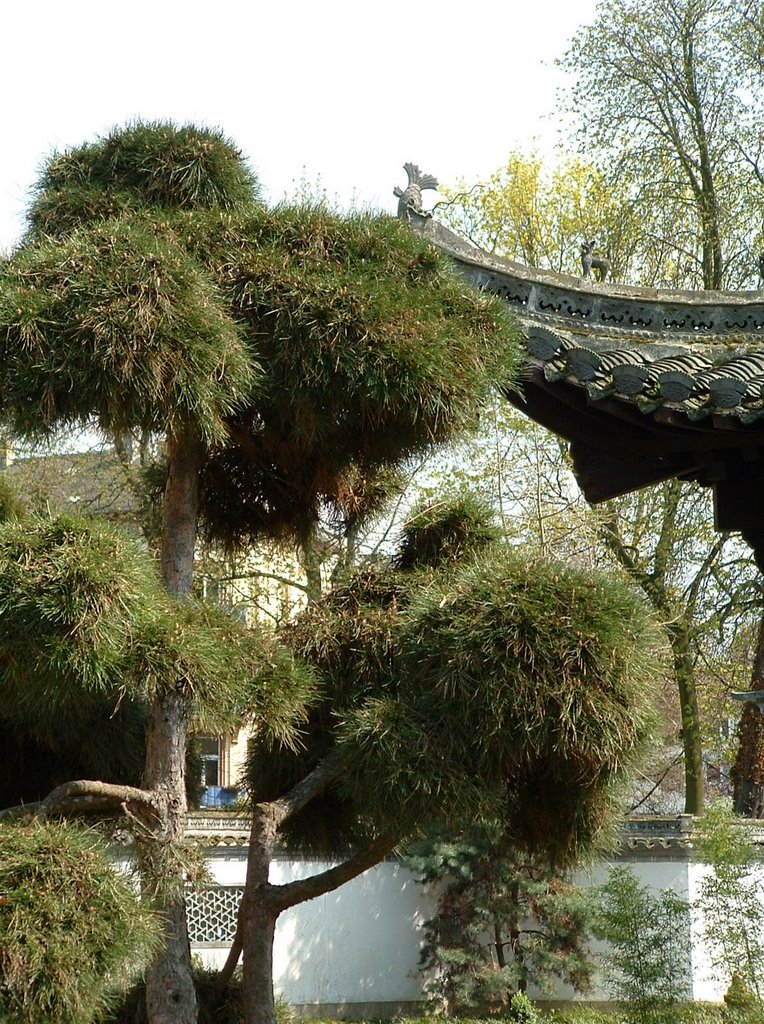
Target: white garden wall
356,950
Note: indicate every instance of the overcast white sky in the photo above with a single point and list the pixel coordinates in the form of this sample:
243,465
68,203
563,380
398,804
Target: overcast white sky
332,91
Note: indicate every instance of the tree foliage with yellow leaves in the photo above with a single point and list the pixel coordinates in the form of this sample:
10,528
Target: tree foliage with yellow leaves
539,215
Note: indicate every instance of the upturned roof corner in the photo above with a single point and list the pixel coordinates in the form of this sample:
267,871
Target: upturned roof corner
646,384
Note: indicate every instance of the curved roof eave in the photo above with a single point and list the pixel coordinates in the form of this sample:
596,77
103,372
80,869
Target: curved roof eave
646,384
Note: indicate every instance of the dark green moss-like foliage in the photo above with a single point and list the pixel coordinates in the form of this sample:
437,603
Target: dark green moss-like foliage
154,290
446,532
507,688
116,321
11,505
39,751
72,931
552,667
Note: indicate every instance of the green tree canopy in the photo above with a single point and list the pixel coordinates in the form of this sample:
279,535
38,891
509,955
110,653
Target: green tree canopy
87,630
279,351
539,214
659,99
298,343
552,668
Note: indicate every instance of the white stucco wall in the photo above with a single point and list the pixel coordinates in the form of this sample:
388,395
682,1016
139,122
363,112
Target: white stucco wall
657,875
360,944
357,944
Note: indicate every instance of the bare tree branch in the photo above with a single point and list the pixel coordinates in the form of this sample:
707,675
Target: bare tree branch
284,896
86,797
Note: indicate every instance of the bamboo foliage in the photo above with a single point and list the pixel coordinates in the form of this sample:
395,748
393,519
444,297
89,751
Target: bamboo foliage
73,932
85,626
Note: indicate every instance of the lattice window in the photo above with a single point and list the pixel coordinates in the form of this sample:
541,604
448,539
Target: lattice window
212,913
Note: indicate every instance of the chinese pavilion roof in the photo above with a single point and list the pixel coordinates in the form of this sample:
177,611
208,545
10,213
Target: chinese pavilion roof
646,384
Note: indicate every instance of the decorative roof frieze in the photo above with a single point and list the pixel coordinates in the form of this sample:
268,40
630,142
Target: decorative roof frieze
639,835
604,309
680,357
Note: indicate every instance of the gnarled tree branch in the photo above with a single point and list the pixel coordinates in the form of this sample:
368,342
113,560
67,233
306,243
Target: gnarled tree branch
299,796
281,897
84,796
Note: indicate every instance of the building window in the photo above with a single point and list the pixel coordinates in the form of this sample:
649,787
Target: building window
209,750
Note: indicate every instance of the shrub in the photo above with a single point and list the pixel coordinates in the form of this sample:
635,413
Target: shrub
213,1008
503,920
730,899
522,1010
72,930
647,966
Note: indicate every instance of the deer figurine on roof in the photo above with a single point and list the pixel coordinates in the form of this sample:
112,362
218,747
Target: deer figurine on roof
410,198
593,260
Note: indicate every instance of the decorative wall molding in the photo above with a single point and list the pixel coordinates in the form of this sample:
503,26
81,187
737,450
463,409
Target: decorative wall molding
646,835
217,829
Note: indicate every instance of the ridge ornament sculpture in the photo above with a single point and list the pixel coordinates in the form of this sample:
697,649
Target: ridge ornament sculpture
593,260
410,198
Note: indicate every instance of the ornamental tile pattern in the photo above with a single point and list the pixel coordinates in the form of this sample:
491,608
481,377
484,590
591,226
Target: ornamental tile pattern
211,914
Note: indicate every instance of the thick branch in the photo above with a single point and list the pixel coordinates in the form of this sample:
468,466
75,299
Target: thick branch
306,790
225,973
623,553
280,897
85,797
706,567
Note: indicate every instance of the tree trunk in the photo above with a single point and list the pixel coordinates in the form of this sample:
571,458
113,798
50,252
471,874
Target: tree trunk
311,562
692,740
258,924
748,770
170,991
678,626
180,511
518,954
262,902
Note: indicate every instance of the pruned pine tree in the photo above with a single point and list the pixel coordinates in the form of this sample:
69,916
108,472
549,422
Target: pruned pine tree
273,348
704,586
88,632
462,682
503,920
